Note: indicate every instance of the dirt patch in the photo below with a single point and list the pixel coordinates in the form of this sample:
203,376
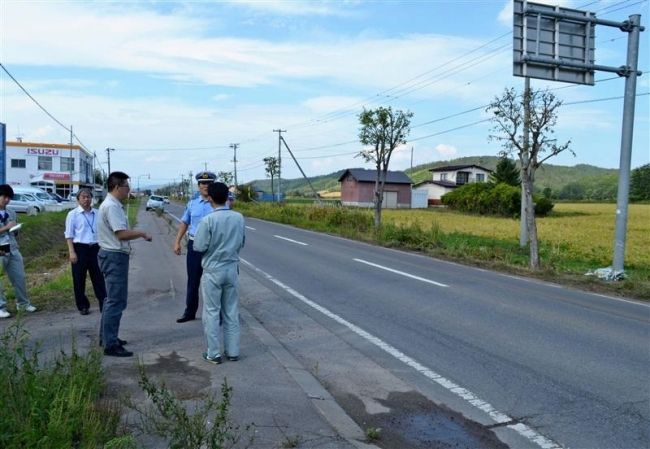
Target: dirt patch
184,380
414,422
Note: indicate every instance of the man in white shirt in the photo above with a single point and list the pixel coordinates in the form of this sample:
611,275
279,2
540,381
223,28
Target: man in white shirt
113,235
81,237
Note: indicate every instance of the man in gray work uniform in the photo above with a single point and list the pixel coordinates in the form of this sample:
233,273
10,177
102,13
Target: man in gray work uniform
113,235
220,237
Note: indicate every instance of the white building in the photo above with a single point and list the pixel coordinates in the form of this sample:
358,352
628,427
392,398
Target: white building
447,178
62,168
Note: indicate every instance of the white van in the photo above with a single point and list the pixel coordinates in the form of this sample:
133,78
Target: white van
39,194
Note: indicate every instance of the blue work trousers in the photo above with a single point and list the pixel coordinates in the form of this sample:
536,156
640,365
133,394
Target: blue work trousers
194,272
220,290
115,268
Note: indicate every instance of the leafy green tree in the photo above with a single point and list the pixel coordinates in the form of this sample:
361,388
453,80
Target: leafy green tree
272,168
506,172
246,193
382,130
225,177
640,183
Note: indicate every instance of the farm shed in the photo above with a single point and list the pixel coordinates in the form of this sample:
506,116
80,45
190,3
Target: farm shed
358,187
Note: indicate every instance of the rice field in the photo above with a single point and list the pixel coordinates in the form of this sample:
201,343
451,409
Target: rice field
574,230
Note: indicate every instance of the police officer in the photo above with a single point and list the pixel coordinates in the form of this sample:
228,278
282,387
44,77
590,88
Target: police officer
196,209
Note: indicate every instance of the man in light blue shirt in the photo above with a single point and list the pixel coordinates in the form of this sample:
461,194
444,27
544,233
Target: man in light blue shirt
220,237
196,209
81,237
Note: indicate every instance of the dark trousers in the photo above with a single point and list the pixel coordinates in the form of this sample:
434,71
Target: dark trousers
87,263
115,268
194,273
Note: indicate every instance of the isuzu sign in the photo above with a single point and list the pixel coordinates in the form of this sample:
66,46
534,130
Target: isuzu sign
43,151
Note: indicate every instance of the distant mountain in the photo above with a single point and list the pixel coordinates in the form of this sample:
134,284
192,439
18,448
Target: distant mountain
555,177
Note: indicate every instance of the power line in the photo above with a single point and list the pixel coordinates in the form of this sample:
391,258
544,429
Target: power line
34,99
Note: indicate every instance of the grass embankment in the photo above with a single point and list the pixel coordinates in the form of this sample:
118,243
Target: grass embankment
43,246
574,238
55,404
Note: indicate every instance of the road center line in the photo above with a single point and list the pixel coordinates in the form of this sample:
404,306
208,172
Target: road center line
468,396
252,229
412,276
290,240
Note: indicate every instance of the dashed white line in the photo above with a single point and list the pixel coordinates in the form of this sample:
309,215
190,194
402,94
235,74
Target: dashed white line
252,229
412,276
290,240
471,398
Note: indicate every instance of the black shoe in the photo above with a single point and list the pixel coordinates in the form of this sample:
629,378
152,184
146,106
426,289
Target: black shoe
122,342
84,311
117,351
214,360
185,319
232,358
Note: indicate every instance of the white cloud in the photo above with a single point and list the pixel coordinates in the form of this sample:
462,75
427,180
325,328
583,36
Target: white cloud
297,8
446,150
176,47
221,97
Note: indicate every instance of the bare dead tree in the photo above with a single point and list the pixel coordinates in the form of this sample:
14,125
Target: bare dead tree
539,111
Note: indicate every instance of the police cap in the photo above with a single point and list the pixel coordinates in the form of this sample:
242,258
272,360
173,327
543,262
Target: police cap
206,176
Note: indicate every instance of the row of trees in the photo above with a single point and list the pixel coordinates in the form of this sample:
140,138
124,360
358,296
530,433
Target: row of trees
524,126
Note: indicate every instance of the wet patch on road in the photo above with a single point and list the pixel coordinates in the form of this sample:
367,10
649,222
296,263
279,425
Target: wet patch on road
414,422
184,380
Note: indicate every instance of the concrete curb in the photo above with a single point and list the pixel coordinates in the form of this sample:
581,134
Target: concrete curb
321,399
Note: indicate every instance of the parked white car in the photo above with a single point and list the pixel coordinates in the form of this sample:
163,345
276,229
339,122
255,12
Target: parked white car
155,202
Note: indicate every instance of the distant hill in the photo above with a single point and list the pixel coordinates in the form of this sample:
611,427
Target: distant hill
555,177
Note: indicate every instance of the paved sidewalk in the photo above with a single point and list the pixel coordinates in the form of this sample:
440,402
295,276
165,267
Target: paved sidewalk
271,389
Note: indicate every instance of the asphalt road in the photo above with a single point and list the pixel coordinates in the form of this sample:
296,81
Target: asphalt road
556,367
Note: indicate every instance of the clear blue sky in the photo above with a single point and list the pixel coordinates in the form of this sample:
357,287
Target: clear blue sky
170,85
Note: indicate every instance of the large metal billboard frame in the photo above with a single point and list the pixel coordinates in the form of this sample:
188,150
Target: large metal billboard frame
553,43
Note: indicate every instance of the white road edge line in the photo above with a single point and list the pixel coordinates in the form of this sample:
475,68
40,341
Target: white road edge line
174,216
290,240
497,416
252,229
401,273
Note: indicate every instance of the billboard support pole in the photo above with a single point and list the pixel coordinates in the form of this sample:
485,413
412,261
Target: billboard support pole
630,73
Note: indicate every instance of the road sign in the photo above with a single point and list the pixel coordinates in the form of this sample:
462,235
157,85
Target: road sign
553,43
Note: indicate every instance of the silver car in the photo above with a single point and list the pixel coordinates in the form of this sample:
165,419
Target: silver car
21,204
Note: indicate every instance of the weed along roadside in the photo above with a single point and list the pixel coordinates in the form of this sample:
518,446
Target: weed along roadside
574,239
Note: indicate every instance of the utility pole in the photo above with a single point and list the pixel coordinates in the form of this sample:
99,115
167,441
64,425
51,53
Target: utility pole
234,160
189,185
71,161
205,165
411,159
279,131
108,153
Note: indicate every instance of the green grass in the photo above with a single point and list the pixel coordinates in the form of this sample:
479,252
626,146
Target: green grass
41,241
55,403
474,240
